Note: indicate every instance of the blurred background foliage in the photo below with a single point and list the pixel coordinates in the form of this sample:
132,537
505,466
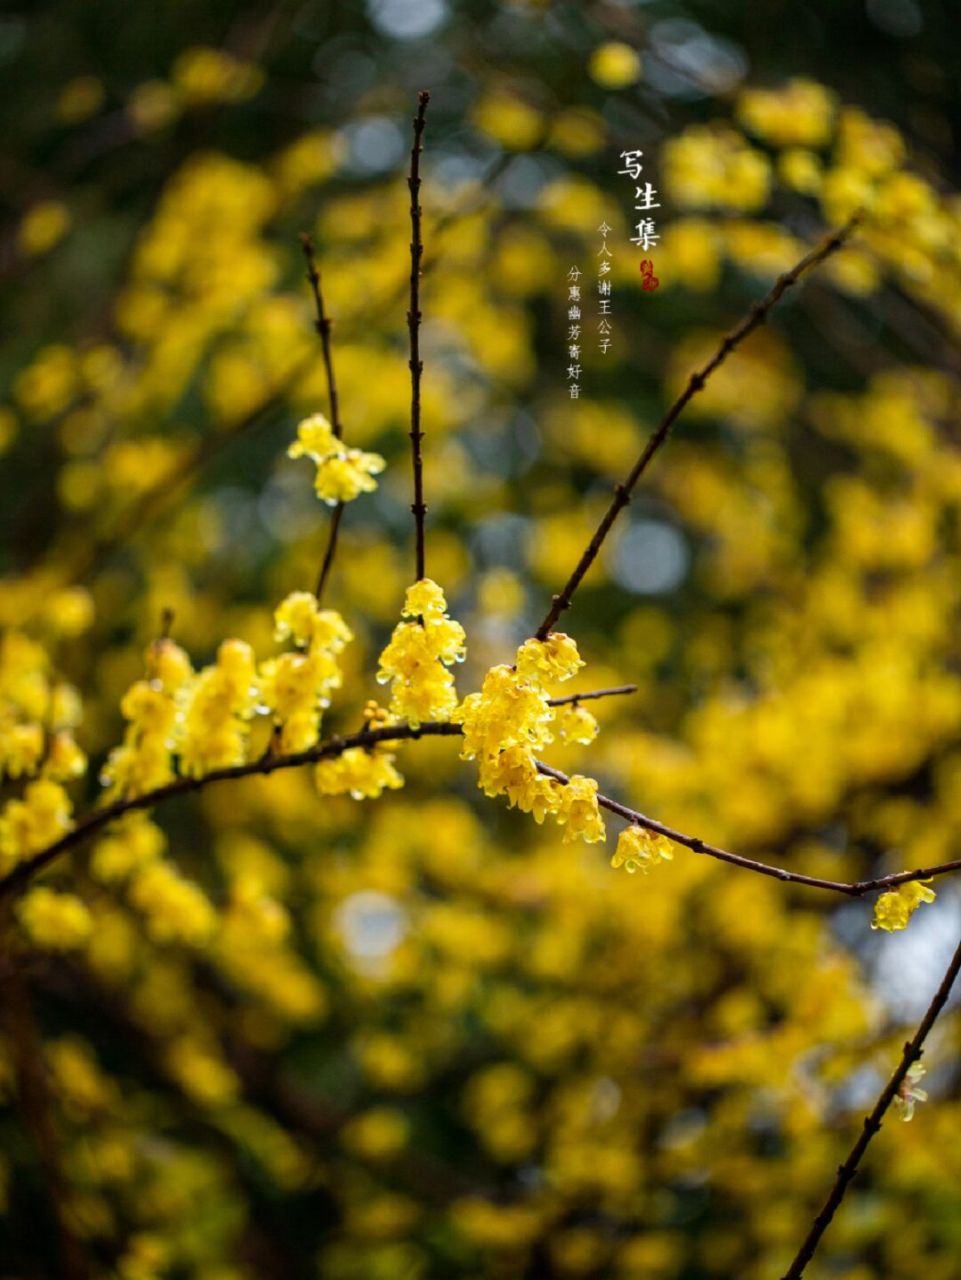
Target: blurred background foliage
426,1039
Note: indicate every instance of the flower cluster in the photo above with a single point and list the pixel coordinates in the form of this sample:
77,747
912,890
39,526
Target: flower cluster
895,908
218,707
144,760
639,849
295,687
55,921
342,474
29,824
418,655
362,774
511,718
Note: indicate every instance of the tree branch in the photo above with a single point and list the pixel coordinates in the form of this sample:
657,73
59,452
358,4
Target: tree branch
267,764
872,1123
614,692
323,326
623,490
413,325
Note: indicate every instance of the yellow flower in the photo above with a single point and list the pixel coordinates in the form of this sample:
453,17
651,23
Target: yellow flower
895,908
579,811
575,723
614,65
639,849
418,654
908,1092
553,659
57,921
342,473
362,774
176,910
296,687
30,824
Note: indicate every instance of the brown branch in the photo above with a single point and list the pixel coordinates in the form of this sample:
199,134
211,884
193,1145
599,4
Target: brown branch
623,490
696,845
613,692
872,1123
323,326
267,764
413,325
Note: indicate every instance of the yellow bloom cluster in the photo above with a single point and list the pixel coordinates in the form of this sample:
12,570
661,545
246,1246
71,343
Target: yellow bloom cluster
801,114
56,921
218,706
894,909
511,718
143,761
295,687
29,824
639,849
362,774
418,655
132,842
175,909
342,474
715,167
37,717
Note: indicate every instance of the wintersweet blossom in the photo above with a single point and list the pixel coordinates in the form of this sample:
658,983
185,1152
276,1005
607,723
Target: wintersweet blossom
362,774
639,849
55,921
342,474
424,644
895,908
29,824
296,687
218,705
908,1093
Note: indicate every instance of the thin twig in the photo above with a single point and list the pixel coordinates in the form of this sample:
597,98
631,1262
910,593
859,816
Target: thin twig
872,1123
614,692
266,764
323,326
623,490
413,325
696,845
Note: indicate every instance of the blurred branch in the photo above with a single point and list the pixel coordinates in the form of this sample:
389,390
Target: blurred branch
413,325
323,327
872,1123
622,491
35,1106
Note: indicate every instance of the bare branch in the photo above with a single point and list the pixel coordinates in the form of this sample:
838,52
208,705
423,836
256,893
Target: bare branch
623,490
872,1123
614,692
323,326
413,325
267,764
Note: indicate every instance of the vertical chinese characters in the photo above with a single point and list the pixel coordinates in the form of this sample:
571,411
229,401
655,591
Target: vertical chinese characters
604,291
645,229
574,331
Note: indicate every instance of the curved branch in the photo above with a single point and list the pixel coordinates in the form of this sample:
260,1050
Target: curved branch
623,490
872,1123
266,764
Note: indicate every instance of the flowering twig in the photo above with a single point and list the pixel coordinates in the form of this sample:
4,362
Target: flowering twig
323,326
852,889
266,764
623,490
872,1123
413,325
270,762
